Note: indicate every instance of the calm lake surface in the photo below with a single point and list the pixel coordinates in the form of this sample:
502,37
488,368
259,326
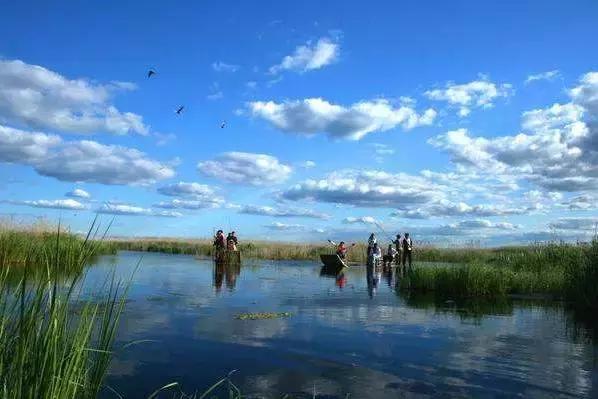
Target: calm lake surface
342,337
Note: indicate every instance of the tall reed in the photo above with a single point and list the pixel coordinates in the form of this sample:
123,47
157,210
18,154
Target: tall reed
53,342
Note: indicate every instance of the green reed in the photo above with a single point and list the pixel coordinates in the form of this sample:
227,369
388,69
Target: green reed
53,342
565,271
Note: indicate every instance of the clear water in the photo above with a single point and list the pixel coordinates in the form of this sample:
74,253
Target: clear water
342,337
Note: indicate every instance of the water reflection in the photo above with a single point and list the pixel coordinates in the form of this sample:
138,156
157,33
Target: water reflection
416,347
227,272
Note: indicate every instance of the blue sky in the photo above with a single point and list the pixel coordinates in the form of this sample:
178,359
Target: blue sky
458,121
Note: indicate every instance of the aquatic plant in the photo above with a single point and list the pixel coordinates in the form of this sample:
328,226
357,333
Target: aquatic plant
262,315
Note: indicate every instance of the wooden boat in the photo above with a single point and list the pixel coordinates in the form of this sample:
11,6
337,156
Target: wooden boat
227,257
332,261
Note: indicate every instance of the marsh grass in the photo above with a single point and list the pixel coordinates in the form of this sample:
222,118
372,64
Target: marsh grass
53,344
558,270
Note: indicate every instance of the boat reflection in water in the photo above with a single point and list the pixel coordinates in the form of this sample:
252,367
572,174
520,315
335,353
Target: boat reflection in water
335,272
226,272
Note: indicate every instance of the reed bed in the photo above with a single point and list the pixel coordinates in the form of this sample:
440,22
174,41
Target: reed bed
53,342
559,270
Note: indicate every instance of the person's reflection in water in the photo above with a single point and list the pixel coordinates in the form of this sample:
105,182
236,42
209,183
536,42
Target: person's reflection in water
388,274
373,278
341,280
231,272
228,273
218,275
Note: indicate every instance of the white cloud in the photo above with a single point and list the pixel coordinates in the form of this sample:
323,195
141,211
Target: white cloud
549,75
315,115
369,188
246,168
575,224
476,94
36,97
281,212
220,66
554,117
187,189
310,56
17,146
582,202
586,93
307,164
284,226
80,161
559,154
193,204
54,204
125,209
78,193
360,220
445,208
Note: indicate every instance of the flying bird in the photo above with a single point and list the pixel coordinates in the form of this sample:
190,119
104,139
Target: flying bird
150,73
223,124
180,110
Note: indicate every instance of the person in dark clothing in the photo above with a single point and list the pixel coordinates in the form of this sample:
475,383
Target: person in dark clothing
219,241
407,249
232,237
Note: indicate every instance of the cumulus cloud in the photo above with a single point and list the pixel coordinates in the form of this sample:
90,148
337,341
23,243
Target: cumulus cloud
53,204
80,161
132,210
549,75
308,57
220,66
282,212
575,224
316,115
78,193
246,168
558,150
33,96
369,188
476,94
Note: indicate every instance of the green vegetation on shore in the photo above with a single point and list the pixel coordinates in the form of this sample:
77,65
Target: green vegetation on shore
563,271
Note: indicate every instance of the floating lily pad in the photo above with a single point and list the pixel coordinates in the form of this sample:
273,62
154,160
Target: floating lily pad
262,315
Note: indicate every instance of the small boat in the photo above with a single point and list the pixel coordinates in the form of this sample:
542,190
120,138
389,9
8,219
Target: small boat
333,261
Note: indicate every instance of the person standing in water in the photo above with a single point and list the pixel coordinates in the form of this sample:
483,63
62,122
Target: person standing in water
371,243
407,249
397,243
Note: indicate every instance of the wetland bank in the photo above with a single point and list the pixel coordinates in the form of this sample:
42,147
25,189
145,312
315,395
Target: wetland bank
289,329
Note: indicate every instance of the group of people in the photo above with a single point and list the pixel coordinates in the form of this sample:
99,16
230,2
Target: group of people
399,251
229,242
